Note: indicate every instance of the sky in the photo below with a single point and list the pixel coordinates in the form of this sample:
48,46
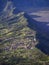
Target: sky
25,4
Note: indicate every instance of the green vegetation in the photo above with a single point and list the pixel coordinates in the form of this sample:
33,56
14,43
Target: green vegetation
17,46
21,56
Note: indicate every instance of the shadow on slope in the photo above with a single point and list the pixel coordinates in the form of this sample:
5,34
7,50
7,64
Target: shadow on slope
12,61
42,33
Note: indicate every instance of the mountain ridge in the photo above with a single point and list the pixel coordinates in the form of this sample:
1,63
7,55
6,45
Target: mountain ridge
20,41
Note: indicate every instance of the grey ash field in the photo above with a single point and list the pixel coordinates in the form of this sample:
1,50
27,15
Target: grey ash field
18,40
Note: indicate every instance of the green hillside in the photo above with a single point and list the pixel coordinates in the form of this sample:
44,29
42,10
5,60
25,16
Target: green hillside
18,40
18,43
